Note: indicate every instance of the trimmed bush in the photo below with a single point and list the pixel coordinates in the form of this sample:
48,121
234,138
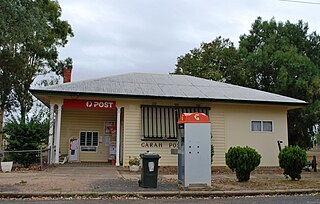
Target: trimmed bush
292,159
243,160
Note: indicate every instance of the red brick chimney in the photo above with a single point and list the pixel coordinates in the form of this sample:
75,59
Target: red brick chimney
67,74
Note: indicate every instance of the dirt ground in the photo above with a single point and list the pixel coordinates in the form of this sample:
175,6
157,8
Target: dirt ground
312,153
53,179
102,179
107,178
222,184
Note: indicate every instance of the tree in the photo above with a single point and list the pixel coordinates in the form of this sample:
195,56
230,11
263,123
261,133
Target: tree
8,67
217,60
27,135
276,57
283,58
30,33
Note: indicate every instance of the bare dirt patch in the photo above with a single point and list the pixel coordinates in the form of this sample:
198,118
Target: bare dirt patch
229,184
310,155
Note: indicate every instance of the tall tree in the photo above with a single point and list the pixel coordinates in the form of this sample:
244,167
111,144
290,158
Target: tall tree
276,57
283,58
217,60
30,33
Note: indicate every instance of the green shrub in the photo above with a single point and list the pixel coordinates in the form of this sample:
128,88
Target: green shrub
243,160
292,159
29,135
134,161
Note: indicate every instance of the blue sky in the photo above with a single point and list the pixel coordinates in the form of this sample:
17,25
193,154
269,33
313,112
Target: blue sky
121,36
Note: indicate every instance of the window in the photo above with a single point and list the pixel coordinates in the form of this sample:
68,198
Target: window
89,141
256,125
261,126
267,126
160,122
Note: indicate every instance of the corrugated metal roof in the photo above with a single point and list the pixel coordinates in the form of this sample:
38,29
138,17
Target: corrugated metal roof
167,85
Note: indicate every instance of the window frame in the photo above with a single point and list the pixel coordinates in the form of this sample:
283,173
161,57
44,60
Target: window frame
83,147
262,126
159,123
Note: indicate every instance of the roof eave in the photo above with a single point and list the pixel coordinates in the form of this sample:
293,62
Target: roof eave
293,105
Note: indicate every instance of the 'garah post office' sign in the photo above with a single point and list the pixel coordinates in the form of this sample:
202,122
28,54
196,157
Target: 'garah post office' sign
95,104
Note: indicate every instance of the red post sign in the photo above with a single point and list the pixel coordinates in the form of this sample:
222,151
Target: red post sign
95,104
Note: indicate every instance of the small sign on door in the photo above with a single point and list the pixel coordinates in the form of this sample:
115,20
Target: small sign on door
73,149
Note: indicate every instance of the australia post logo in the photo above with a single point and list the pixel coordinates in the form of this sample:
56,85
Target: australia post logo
97,104
100,104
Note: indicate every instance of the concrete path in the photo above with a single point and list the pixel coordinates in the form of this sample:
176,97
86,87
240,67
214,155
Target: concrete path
107,172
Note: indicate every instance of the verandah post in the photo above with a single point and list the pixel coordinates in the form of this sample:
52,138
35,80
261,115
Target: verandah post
118,137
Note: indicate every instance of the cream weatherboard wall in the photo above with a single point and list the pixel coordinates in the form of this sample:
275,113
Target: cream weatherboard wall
238,129
134,146
218,139
230,127
132,133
